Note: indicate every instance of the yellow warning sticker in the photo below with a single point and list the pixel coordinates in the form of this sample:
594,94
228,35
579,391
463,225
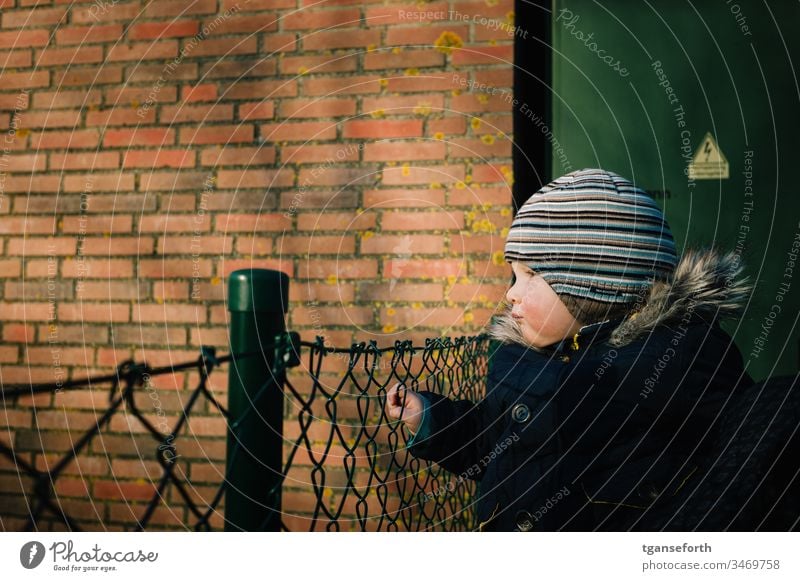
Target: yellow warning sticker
708,163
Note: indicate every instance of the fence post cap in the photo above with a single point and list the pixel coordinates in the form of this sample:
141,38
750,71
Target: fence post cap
258,289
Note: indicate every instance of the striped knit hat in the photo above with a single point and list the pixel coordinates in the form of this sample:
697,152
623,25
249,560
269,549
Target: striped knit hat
592,234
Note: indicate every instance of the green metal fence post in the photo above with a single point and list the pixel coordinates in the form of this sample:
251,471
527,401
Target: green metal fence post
258,300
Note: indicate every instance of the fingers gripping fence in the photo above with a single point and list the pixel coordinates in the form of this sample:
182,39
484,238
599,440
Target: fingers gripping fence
309,444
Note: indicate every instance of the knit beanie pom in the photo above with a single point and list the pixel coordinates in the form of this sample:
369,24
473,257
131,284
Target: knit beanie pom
591,234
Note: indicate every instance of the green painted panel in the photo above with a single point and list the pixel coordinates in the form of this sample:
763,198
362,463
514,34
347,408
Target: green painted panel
638,85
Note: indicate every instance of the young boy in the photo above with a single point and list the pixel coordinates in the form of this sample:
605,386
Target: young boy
612,367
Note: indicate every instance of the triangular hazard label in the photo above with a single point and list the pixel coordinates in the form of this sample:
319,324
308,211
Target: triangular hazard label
708,163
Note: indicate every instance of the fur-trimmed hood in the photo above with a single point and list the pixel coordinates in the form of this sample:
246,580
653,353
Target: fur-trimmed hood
705,282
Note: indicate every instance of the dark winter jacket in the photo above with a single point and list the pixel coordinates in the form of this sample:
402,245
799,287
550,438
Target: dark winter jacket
601,430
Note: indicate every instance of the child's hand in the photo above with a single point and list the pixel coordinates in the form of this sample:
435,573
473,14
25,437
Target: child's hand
401,401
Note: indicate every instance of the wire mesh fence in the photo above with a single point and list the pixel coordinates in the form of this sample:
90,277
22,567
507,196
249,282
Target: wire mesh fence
345,466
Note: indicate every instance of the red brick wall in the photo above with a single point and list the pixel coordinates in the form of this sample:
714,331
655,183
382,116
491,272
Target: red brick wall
360,148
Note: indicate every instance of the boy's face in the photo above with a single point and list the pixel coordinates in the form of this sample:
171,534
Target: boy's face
542,317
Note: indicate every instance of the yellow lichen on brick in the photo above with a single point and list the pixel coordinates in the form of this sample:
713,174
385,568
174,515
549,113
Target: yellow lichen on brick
447,41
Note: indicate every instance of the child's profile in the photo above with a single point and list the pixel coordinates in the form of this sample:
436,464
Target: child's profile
611,364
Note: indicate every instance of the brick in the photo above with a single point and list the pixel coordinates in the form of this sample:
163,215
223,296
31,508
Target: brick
120,116
10,267
222,134
349,85
237,156
91,77
402,244
382,129
199,93
480,103
158,158
77,139
491,173
335,176
408,291
226,47
319,19
303,245
172,181
15,59
143,73
341,38
477,54
66,99
343,268
422,82
97,268
110,182
118,246
105,489
29,80
102,313
321,291
50,247
477,148
335,221
317,153
404,198
303,131
436,317
189,113
422,35
429,268
174,268
157,30
24,38
32,184
118,290
404,150
27,225
328,316
159,8
94,160
25,311
316,108
382,15
18,332
444,174
261,90
174,223
142,51
500,78
171,290
79,55
448,126
97,224
88,34
315,64
139,136
251,223
257,110
173,313
403,105
251,23
158,335
243,179
382,60
240,69
492,195
194,245
254,245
